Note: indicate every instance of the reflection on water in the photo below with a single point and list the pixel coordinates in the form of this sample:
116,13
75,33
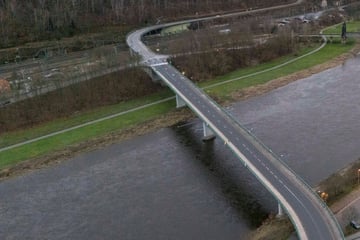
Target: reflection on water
234,181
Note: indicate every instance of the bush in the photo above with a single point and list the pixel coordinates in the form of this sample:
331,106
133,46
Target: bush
111,89
204,66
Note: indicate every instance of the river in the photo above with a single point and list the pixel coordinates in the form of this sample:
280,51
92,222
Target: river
171,185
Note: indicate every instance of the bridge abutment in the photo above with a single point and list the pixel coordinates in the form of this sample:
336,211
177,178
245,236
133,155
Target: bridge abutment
152,74
131,51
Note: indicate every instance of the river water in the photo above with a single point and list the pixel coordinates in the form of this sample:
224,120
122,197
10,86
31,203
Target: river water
171,185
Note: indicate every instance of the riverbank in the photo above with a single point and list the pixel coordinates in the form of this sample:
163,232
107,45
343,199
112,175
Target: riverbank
344,193
164,120
342,187
148,125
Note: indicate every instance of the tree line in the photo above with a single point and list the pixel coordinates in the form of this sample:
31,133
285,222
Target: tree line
23,21
210,64
133,82
107,90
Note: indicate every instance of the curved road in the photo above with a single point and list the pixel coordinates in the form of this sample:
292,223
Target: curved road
308,213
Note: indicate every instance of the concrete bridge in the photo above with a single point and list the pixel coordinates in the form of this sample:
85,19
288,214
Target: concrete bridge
309,214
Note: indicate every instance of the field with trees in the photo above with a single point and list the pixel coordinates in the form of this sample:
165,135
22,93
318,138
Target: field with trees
24,21
29,21
250,45
235,50
252,41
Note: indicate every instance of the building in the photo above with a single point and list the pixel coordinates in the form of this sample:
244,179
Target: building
324,4
4,86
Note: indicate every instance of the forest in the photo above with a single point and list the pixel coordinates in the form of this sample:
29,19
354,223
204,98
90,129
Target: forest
34,20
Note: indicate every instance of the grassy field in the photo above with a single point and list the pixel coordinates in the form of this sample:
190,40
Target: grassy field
352,26
175,29
23,135
330,51
64,140
61,141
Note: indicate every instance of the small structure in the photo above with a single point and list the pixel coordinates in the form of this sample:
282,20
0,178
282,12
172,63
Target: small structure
225,31
323,195
324,4
4,86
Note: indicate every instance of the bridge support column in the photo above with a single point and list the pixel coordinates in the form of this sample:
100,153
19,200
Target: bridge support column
132,53
179,102
208,133
154,76
280,211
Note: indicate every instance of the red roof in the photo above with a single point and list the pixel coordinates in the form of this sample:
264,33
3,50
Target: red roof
4,86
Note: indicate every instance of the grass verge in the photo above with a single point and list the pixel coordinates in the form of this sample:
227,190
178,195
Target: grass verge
328,52
11,138
64,140
352,26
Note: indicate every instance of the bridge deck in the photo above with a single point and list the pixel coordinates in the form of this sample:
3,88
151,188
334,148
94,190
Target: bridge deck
298,200
309,214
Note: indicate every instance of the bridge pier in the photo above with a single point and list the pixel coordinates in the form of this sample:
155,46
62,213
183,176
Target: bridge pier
179,102
280,211
208,133
152,75
132,53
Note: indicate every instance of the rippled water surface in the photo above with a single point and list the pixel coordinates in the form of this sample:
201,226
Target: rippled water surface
166,185
171,185
313,124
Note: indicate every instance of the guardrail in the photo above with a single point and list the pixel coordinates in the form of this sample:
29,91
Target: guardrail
327,214
286,170
283,165
258,141
298,178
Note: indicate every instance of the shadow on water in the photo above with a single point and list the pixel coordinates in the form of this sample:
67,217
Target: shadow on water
227,172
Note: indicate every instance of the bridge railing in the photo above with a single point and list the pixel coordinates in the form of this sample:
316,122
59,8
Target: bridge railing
255,139
299,179
282,163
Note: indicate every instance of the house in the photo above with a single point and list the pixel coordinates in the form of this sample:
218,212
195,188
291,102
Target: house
4,86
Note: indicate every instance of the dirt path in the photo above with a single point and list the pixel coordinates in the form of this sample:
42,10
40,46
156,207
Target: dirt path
164,121
340,206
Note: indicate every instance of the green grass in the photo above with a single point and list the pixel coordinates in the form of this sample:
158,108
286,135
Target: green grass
64,140
61,141
59,124
352,26
175,29
328,52
226,89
